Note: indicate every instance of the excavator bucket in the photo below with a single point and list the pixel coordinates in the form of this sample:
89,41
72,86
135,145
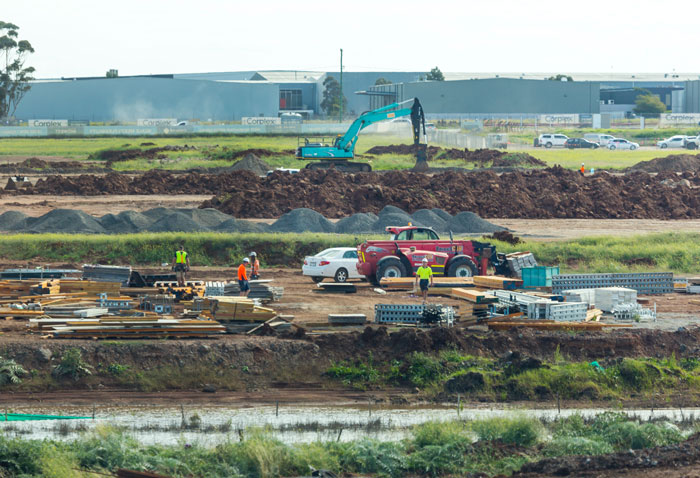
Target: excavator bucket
418,121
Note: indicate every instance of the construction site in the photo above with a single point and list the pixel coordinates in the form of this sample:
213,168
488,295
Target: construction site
370,273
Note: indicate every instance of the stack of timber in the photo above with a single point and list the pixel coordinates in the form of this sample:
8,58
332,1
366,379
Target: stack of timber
128,327
10,289
238,314
91,288
441,285
477,306
497,282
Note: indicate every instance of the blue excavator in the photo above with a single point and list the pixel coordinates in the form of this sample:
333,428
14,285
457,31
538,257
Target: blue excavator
339,154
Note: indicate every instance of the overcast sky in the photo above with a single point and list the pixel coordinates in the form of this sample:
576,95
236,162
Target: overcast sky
88,37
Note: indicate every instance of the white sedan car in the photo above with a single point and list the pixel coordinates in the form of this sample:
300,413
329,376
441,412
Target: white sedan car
338,263
677,141
619,143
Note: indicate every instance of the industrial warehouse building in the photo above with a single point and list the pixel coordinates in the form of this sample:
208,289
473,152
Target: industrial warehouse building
230,96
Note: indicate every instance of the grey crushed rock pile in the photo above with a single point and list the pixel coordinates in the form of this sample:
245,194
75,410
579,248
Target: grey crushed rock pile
162,219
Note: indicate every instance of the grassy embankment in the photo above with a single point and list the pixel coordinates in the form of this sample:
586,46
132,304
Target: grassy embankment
495,446
216,151
449,373
676,252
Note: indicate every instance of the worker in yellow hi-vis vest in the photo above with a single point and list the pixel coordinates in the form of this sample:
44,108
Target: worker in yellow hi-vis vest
181,265
424,278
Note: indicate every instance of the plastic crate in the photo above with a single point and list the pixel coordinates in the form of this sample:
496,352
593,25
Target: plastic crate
539,276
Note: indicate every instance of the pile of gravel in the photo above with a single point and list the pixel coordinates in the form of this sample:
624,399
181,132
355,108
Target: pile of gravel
468,222
66,221
252,163
13,221
360,222
302,220
163,219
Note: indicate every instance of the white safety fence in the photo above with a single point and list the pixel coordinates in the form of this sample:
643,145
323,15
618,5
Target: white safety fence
455,139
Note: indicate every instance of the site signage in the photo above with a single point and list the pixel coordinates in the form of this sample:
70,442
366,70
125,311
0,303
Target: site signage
157,122
559,119
679,118
52,123
260,121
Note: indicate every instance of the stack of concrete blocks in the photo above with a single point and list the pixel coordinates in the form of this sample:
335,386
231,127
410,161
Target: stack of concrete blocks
607,298
580,295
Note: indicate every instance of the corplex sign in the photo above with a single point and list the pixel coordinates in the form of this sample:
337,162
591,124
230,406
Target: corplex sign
679,118
48,122
157,122
559,119
260,120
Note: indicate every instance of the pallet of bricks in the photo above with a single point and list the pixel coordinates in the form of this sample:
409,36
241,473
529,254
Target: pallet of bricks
517,261
643,282
237,314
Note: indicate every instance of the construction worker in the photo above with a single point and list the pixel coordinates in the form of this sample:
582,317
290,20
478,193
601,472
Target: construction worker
583,170
181,265
424,278
243,278
255,266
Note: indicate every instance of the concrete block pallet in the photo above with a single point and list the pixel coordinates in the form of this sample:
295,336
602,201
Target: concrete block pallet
643,282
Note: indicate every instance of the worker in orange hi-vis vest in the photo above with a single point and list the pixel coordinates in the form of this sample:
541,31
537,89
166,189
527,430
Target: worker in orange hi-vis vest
583,170
243,278
255,266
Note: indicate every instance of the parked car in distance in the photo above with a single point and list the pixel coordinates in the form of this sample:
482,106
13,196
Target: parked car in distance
338,263
430,126
620,143
550,140
283,170
677,141
575,143
601,139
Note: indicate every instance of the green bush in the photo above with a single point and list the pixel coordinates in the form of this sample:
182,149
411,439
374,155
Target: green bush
10,371
423,369
19,457
521,431
72,365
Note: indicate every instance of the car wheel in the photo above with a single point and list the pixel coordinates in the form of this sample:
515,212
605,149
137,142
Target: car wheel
692,146
462,267
611,146
633,147
390,268
663,146
341,275
548,145
317,279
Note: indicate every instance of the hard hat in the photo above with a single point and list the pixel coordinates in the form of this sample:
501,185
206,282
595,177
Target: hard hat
246,259
425,259
253,254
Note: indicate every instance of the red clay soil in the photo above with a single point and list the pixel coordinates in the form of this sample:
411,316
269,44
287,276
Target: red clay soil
664,461
535,194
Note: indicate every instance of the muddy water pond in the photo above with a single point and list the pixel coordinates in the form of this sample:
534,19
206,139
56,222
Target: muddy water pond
290,424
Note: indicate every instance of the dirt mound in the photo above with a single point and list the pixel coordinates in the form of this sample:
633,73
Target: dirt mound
483,157
65,221
255,152
34,163
302,220
505,236
127,154
674,162
252,163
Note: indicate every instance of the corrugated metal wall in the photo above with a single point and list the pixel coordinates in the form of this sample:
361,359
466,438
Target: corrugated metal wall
502,95
128,99
692,97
